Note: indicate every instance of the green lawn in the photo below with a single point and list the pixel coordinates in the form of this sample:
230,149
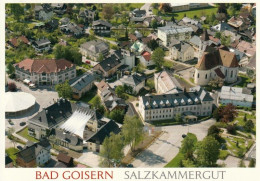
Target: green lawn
245,80
168,64
136,5
11,153
175,162
89,96
165,123
223,154
24,133
190,14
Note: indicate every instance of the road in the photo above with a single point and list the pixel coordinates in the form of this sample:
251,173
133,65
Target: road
166,147
146,7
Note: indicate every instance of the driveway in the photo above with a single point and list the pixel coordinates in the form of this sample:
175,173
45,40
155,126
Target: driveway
166,147
89,158
146,7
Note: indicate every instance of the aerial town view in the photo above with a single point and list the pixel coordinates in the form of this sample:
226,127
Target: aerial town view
130,85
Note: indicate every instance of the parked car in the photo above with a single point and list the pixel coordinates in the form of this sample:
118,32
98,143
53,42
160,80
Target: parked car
22,123
184,135
19,147
10,122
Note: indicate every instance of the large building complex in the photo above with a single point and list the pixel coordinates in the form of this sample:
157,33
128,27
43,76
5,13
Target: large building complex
45,71
197,102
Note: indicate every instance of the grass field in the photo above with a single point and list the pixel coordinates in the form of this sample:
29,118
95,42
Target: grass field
89,96
190,14
24,133
175,162
11,152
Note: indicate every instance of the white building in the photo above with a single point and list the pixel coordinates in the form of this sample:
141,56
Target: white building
146,59
236,96
216,63
166,84
182,52
197,102
45,72
167,33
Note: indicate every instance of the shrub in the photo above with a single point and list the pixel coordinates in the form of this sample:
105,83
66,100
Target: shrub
12,87
231,129
137,104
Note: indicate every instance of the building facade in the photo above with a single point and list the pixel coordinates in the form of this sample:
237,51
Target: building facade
197,102
45,72
167,33
93,49
182,52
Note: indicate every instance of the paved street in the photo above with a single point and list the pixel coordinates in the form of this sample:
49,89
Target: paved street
166,147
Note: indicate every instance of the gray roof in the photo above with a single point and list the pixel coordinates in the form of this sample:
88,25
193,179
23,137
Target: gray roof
222,26
236,93
101,22
195,40
72,139
110,62
252,62
182,46
133,79
195,96
175,29
43,41
95,46
82,81
54,114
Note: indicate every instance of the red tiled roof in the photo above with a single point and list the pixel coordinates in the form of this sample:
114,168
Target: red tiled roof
147,56
24,39
132,37
45,65
14,42
64,158
214,39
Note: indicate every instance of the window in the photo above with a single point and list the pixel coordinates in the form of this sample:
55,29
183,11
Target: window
226,73
198,76
206,76
231,74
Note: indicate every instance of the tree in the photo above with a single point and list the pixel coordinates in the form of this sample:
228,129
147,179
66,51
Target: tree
218,35
165,7
132,131
214,131
140,68
12,87
69,53
153,44
249,125
225,40
120,91
10,69
216,115
222,8
100,57
117,115
154,24
252,163
241,163
107,11
188,163
17,10
10,132
158,57
188,146
64,90
178,117
208,152
231,129
228,113
231,11
150,84
245,118
96,102
112,150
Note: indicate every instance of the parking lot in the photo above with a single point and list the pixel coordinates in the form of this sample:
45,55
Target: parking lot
166,147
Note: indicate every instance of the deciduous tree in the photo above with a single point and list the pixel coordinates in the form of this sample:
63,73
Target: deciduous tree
64,90
188,146
158,57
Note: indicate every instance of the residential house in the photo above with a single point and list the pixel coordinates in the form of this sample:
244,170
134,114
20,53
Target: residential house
196,102
81,85
148,21
239,23
138,13
108,66
166,84
34,154
72,28
65,159
167,33
248,48
233,36
94,48
59,8
94,143
146,59
87,15
222,27
115,103
251,67
64,21
137,48
43,12
194,24
42,45
52,25
216,62
102,86
182,52
135,81
126,57
101,28
44,71
235,95
176,7
15,42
